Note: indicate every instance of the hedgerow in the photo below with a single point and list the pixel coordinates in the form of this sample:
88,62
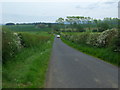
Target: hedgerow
108,38
13,42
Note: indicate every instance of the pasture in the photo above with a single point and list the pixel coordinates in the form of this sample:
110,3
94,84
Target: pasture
26,28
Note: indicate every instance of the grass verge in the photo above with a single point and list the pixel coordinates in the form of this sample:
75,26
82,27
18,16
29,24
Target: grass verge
27,69
103,53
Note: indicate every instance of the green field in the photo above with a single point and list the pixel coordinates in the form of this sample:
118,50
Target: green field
28,64
26,28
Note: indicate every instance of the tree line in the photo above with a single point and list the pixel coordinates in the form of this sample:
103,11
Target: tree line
81,24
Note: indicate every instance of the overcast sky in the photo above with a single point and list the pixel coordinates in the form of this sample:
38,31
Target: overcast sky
44,11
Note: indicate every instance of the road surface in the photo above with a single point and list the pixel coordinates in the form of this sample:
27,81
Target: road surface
70,68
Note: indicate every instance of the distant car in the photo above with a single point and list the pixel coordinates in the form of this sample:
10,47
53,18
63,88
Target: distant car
58,36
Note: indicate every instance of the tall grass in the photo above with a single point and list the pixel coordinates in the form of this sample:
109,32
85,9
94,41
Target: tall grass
27,69
33,39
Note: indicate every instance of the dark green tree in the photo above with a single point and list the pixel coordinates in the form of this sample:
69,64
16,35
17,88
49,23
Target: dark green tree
103,26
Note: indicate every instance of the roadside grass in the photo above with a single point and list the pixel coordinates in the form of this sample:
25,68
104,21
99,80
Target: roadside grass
27,69
103,53
35,39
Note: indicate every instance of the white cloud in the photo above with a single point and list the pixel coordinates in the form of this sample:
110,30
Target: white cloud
49,0
59,0
50,11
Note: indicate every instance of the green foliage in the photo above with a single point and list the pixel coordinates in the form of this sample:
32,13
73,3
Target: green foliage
11,44
94,30
80,28
26,28
80,23
103,26
33,38
104,39
77,38
92,39
115,43
27,69
60,20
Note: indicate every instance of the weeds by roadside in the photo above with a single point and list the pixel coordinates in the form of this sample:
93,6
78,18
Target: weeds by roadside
27,68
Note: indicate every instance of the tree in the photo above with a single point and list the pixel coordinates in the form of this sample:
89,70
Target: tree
75,22
103,26
80,28
49,25
96,22
10,24
60,20
60,25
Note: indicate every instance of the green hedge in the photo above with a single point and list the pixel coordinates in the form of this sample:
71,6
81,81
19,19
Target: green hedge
13,42
108,38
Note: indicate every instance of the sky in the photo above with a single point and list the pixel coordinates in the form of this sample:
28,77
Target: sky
49,10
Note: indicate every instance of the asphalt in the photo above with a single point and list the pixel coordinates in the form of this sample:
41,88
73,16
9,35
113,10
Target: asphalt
70,68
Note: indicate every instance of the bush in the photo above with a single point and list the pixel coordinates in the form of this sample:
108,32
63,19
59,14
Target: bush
80,28
31,39
11,44
79,38
105,38
82,38
108,38
92,39
94,30
103,26
115,43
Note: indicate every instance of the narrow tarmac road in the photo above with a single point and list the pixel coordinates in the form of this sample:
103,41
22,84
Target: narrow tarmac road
70,68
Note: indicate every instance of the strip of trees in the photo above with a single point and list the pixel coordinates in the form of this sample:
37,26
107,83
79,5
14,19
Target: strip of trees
81,24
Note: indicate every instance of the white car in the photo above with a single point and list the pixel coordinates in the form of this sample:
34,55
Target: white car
58,36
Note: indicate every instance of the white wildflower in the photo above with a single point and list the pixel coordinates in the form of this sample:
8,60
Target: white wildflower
15,34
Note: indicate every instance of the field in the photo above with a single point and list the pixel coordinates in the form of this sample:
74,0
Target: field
26,28
25,56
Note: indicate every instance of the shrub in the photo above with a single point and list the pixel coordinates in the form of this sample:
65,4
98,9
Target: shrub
92,39
106,37
82,38
11,44
33,40
103,26
80,28
115,43
94,30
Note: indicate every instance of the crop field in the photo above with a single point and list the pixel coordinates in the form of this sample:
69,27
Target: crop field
26,28
25,57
